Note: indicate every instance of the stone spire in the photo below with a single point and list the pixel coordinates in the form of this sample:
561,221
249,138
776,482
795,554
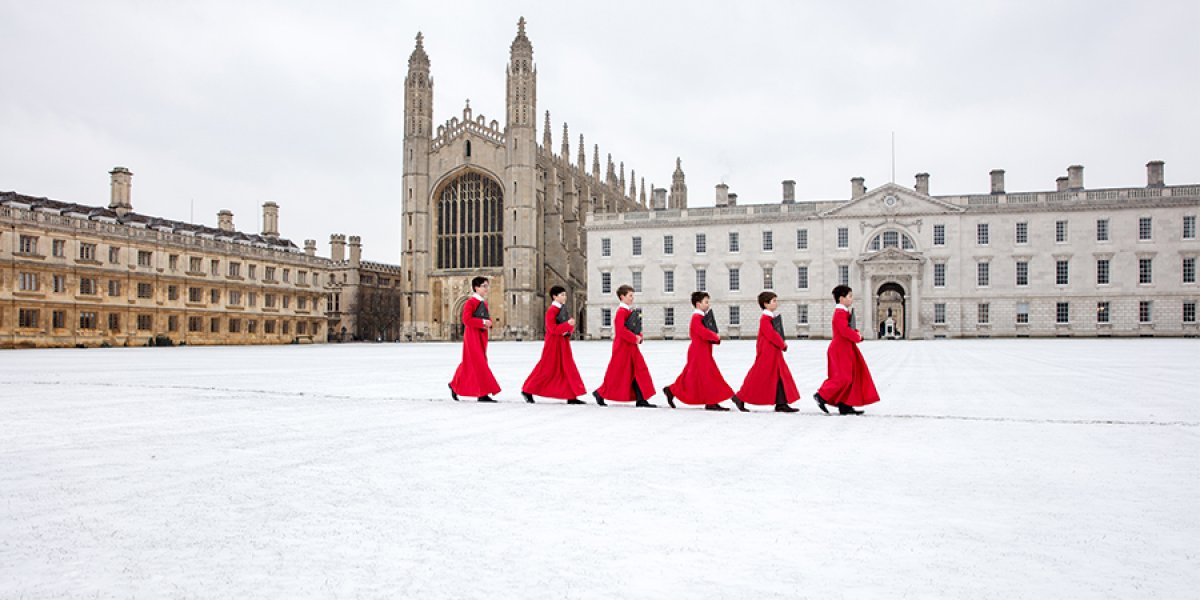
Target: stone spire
522,81
418,93
546,140
566,147
582,153
596,161
642,197
632,185
621,179
678,187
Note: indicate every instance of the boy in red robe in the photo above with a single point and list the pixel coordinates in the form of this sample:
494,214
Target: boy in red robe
769,380
556,375
701,381
849,383
474,377
627,378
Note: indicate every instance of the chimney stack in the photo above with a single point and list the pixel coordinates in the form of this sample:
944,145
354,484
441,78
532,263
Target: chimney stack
733,199
997,181
658,198
722,195
789,191
1154,174
922,185
355,250
1075,177
1061,184
270,223
225,220
337,247
858,187
310,247
122,181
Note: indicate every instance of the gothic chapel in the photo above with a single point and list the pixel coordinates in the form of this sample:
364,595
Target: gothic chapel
484,199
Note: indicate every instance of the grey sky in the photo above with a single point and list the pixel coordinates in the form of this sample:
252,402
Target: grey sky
228,105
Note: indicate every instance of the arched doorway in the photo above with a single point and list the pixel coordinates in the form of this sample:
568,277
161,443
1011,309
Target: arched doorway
454,319
891,318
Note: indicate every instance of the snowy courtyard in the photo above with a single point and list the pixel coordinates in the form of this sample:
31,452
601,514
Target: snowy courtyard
991,469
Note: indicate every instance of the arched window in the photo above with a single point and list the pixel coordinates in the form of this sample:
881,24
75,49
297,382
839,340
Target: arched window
470,223
891,239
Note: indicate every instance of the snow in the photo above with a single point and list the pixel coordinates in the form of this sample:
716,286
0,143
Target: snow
992,469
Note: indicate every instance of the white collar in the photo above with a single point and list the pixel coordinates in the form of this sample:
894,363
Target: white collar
841,306
699,312
556,303
768,313
626,307
478,297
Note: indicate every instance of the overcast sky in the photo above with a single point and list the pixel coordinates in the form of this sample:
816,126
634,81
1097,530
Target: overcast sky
227,105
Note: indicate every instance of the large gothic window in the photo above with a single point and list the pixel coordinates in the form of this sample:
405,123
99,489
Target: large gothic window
470,223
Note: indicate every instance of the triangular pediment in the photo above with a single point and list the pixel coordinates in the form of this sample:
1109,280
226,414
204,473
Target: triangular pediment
891,255
890,199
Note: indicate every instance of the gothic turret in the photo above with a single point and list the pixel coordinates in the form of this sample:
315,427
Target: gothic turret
415,231
678,187
522,214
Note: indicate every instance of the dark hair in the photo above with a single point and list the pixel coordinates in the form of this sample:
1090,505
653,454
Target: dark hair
477,281
698,297
840,292
625,289
556,290
764,298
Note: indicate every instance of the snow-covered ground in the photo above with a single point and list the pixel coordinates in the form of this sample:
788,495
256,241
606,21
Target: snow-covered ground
992,469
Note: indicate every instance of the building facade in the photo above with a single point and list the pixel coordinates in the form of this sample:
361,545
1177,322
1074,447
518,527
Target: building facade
75,275
1067,262
364,298
485,198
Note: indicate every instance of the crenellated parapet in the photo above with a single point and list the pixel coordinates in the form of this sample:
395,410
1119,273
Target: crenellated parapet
470,123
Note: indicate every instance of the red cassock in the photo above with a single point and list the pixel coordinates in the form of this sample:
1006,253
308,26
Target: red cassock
626,365
474,377
556,375
849,379
701,381
768,370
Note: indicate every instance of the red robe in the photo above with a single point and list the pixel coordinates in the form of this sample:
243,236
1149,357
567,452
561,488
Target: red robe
626,365
849,379
768,370
701,381
474,377
555,375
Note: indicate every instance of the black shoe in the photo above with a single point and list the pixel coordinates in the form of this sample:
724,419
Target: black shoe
848,410
528,397
784,408
716,407
669,395
486,399
741,406
820,403
644,404
452,394
575,401
599,400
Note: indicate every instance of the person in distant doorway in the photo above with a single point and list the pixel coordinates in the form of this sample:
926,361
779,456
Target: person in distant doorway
769,380
627,378
474,376
701,382
556,375
848,384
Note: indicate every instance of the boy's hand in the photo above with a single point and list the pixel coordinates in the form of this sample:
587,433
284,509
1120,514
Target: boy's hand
640,338
571,321
487,323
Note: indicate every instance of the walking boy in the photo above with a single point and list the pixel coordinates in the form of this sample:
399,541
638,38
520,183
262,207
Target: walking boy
849,382
769,380
556,375
627,378
701,381
474,377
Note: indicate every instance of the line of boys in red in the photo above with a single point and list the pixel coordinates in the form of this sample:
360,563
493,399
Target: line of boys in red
769,382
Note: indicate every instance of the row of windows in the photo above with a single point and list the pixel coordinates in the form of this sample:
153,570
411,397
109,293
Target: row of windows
1062,313
1062,272
31,282
896,239
32,318
28,244
735,279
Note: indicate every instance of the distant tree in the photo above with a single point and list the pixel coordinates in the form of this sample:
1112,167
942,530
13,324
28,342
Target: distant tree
377,313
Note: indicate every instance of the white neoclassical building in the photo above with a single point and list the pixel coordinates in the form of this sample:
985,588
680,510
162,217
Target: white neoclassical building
1067,262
